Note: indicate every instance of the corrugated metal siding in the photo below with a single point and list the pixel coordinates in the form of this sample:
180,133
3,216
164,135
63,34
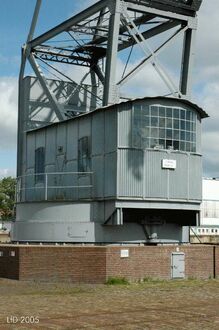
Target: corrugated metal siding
178,178
72,140
156,184
125,126
110,124
195,177
130,172
50,145
98,133
30,154
98,176
40,139
110,169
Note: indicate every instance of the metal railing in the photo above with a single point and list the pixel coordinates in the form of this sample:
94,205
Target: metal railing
54,186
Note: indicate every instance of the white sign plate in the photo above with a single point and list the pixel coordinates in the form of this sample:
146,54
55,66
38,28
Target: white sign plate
124,253
169,163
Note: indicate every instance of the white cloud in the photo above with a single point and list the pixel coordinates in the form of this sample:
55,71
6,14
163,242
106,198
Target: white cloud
5,172
8,108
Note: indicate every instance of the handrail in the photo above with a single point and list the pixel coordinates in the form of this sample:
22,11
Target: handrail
59,188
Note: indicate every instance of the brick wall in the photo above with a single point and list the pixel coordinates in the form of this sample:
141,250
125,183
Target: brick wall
54,263
155,261
95,264
217,261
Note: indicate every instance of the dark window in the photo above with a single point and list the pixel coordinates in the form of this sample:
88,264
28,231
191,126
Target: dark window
84,154
39,164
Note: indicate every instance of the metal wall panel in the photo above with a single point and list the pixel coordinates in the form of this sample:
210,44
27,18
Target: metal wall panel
110,124
195,177
50,146
98,133
156,179
40,139
98,175
125,126
72,140
178,178
130,172
110,168
30,154
84,126
61,132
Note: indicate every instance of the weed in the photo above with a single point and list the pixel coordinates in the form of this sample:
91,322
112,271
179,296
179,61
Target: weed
117,281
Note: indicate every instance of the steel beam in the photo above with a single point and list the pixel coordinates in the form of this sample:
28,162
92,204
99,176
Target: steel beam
187,62
65,26
46,88
110,87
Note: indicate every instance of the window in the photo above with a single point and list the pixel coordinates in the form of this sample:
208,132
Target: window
163,127
39,164
84,154
1,253
12,254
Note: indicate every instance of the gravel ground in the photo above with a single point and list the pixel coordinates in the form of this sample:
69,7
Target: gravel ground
153,305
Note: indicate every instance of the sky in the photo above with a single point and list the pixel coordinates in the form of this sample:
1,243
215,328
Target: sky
15,18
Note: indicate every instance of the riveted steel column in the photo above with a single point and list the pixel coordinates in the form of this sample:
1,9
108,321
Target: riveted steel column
187,61
110,88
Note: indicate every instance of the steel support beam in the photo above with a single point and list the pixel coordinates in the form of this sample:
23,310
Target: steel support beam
110,87
65,26
45,86
187,62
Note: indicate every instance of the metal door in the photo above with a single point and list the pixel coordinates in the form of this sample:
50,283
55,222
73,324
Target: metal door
178,265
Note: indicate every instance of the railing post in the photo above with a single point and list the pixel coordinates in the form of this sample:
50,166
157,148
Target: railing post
46,186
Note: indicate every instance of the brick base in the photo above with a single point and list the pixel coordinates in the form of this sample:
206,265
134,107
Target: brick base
94,264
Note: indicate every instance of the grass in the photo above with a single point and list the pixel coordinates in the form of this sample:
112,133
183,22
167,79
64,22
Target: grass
117,281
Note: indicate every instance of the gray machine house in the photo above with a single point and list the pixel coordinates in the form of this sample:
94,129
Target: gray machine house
94,165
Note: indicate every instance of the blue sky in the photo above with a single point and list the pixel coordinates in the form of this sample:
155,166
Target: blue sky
15,18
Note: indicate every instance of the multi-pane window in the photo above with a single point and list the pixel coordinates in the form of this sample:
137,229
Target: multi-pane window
84,154
39,164
164,128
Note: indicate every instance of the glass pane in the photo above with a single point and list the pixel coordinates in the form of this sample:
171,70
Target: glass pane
161,122
154,143
145,143
193,148
154,111
182,135
162,133
182,114
188,146
162,143
169,133
176,145
169,144
137,107
182,146
176,123
144,132
188,115
169,112
176,113
176,135
188,136
154,121
188,126
145,121
169,123
182,124
162,112
154,132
